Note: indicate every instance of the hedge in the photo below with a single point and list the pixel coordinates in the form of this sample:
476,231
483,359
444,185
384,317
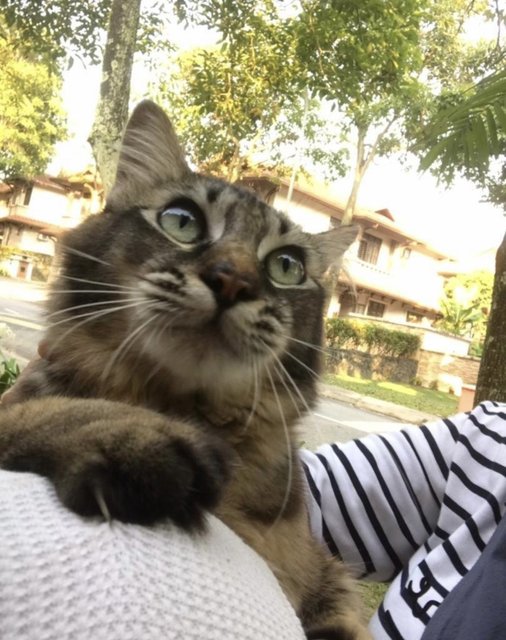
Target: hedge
349,334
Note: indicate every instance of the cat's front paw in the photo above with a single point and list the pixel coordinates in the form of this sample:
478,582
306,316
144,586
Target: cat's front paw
143,473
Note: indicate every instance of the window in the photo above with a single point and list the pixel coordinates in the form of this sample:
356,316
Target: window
375,309
28,194
414,316
369,248
360,308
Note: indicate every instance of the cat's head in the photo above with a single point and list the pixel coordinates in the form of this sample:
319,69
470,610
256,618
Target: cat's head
214,284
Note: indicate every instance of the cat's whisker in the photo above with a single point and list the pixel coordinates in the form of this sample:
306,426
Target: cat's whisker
281,375
324,350
89,317
83,254
303,364
90,304
99,282
155,337
132,302
291,380
94,291
289,479
256,394
122,349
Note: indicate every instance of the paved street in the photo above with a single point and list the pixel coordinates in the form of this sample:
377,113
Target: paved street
21,309
337,422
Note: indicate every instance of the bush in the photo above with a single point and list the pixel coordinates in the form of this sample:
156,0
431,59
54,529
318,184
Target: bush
9,372
348,334
342,334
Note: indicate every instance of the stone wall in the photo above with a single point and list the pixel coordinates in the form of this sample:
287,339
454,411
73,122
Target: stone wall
430,368
360,364
446,372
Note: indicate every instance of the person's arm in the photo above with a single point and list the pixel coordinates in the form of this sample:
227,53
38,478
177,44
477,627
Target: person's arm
374,501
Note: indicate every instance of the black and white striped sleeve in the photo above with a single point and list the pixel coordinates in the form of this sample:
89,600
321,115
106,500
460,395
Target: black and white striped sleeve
375,500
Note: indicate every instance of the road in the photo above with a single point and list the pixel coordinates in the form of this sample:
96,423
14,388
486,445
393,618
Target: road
21,308
25,319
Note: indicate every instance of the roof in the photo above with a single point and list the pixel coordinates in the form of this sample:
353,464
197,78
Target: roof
43,227
371,219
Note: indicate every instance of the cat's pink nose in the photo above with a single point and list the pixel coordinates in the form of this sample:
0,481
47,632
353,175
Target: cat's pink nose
228,284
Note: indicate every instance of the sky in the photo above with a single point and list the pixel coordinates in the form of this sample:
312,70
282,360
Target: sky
455,220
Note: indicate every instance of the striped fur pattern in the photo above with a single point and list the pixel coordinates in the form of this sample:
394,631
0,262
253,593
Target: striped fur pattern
189,307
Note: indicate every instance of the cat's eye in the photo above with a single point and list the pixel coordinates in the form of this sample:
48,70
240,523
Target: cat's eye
182,221
285,266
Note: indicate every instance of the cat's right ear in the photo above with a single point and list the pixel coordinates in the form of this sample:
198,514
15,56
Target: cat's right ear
150,156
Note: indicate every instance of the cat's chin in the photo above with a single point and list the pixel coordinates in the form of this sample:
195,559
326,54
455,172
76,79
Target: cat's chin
201,359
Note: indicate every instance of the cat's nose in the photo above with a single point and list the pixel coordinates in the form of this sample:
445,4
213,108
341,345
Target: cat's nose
228,284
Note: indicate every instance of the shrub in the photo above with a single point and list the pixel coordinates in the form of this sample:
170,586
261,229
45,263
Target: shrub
342,333
9,372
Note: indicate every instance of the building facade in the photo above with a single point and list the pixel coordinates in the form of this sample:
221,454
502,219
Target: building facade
33,215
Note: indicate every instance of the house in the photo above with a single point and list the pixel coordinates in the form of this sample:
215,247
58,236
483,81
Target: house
33,214
390,273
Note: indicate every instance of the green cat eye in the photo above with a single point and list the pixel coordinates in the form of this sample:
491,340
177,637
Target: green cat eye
285,266
182,222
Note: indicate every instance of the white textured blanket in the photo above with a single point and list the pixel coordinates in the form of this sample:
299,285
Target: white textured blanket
62,577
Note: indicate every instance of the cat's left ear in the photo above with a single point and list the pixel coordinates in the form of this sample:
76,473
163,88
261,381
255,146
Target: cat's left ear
150,156
333,244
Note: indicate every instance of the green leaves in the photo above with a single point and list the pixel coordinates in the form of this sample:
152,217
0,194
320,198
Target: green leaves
466,304
467,136
31,115
9,373
51,30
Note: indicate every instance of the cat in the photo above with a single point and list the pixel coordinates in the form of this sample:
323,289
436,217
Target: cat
181,357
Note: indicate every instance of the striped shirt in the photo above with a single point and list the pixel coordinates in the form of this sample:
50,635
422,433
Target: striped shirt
416,507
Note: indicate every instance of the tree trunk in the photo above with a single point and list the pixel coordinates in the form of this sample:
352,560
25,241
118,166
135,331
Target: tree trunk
491,383
112,110
351,203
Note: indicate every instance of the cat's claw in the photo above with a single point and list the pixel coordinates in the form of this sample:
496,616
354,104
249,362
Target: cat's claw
175,479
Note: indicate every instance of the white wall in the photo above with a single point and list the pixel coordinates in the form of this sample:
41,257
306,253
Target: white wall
304,211
53,207
26,239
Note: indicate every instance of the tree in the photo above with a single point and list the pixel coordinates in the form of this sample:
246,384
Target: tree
466,305
466,137
112,109
31,114
384,87
236,109
55,30
65,29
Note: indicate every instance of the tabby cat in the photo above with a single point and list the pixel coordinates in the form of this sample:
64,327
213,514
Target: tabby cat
180,360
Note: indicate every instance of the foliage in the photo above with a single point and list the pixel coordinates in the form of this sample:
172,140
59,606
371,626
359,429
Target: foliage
465,137
9,373
434,402
31,115
342,333
466,304
53,30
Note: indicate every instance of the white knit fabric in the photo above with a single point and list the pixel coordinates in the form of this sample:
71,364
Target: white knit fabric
62,577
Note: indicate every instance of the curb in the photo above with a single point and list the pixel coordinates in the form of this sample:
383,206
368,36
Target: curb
403,414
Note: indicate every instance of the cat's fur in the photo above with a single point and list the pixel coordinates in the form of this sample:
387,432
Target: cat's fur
216,353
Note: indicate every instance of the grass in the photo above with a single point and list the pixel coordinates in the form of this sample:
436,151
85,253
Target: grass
372,594
407,395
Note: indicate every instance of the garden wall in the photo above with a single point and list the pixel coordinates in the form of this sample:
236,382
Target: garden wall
372,367
447,372
430,368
